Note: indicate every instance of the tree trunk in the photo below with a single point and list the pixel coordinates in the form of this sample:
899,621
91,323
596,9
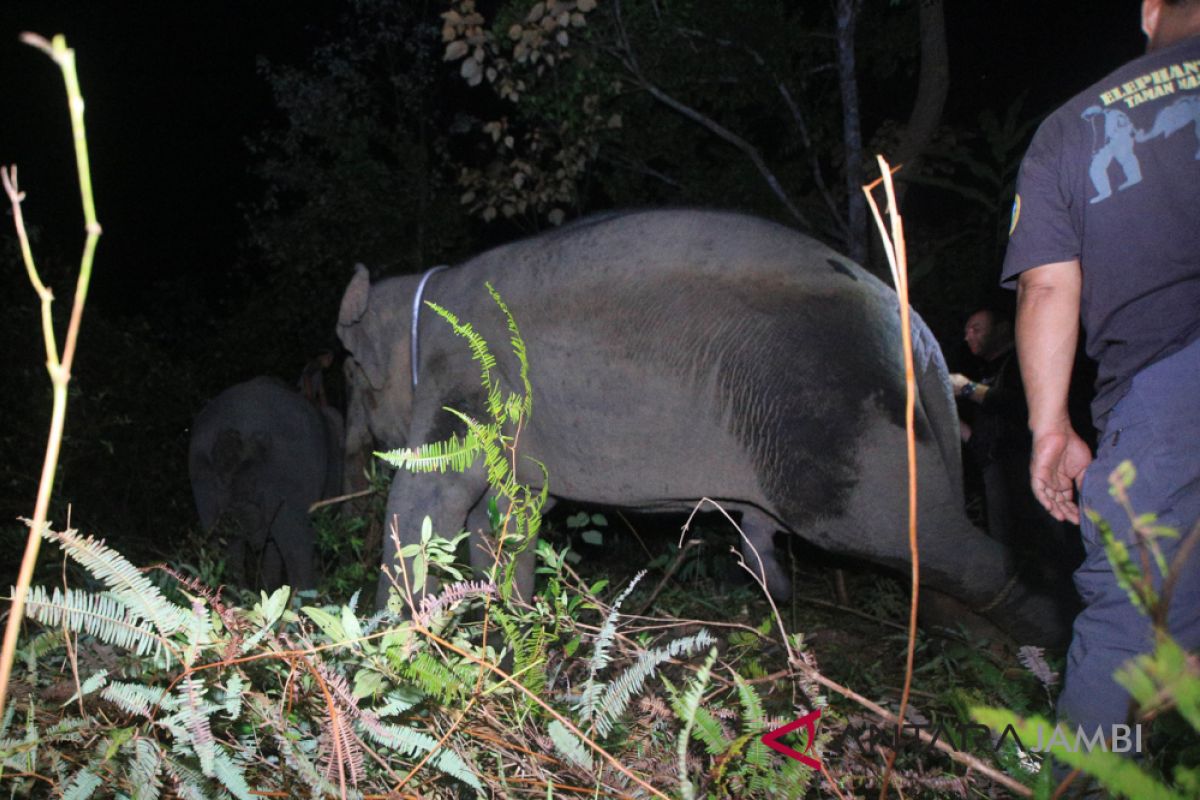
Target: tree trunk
856,204
932,86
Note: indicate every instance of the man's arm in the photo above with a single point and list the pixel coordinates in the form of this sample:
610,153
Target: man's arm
1047,331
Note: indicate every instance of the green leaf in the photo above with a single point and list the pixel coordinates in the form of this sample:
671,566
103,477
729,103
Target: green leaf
328,623
368,683
350,624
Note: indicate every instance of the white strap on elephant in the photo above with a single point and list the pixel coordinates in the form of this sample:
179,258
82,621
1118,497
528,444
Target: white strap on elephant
416,316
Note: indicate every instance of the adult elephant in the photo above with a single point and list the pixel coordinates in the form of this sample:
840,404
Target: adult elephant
260,455
683,354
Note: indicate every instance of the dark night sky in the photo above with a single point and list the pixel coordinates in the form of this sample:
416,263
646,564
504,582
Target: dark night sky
172,93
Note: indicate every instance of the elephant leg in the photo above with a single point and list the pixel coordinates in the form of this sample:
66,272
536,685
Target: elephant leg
483,557
235,559
445,498
289,551
758,550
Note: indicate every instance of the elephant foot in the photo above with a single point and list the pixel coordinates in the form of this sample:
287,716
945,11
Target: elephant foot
1017,613
938,610
1034,617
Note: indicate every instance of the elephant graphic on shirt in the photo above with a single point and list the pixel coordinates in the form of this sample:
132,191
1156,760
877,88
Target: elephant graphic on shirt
1119,138
1177,116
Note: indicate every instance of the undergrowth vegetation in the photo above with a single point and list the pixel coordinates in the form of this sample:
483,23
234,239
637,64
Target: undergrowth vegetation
157,683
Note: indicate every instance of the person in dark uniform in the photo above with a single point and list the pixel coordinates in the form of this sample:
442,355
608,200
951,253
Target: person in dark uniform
1127,262
997,441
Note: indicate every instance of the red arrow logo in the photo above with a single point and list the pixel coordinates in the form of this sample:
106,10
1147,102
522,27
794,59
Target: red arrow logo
808,722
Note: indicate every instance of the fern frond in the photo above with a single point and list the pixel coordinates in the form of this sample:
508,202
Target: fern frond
194,713
303,769
233,695
414,744
143,769
709,731
592,689
104,616
394,704
92,683
434,677
622,689
82,785
453,454
529,649
134,698
123,579
518,347
571,747
231,776
341,752
753,712
479,347
186,782
1034,660
451,596
686,707
38,646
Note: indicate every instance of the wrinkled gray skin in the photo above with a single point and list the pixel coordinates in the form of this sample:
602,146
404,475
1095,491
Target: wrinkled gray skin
684,354
260,455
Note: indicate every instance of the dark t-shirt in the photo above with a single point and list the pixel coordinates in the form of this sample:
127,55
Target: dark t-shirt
1113,178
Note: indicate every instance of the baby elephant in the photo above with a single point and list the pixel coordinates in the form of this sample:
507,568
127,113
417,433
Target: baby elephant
260,455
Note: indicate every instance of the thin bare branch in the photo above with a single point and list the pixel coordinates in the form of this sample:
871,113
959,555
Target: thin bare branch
628,59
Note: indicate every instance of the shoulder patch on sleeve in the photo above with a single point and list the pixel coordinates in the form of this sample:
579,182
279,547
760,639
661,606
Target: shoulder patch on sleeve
1016,215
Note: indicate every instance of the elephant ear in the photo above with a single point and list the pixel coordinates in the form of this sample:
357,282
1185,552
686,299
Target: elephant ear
356,298
354,328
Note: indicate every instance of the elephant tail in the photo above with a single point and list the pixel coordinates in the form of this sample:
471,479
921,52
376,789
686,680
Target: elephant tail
935,398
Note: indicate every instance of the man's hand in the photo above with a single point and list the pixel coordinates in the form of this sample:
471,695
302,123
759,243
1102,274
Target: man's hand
1056,471
958,381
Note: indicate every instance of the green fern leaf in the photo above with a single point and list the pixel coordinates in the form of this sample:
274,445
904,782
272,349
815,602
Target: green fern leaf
187,784
529,649
570,746
628,684
94,682
230,774
233,695
592,692
453,454
686,707
35,648
124,580
143,769
434,677
193,714
82,785
414,744
753,713
134,698
103,616
709,732
518,348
